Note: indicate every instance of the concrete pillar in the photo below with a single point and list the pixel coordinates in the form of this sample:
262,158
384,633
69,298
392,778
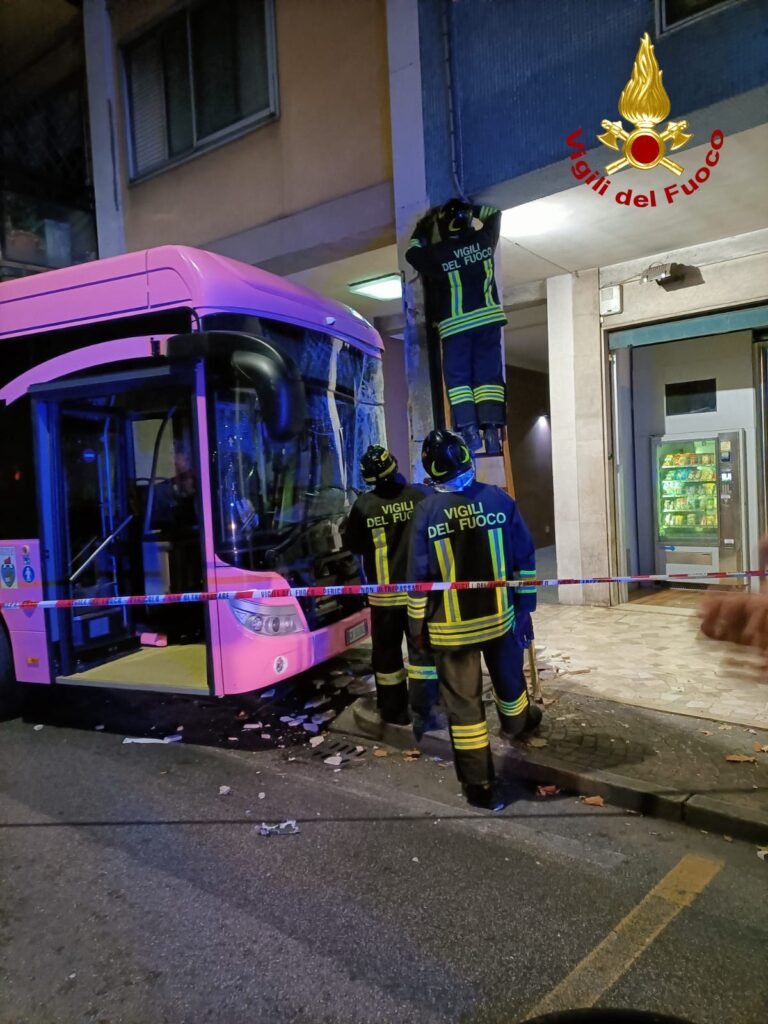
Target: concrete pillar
411,201
577,368
102,108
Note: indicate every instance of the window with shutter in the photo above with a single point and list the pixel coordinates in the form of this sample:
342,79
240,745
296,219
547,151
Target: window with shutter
201,77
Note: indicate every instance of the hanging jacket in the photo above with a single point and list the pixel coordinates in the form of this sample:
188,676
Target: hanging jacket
475,534
460,274
378,528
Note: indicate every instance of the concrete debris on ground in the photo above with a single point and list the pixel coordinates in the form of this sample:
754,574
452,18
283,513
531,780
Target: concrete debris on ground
175,738
225,790
285,828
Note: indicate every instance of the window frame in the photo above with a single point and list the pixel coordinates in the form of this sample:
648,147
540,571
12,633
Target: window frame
662,29
223,135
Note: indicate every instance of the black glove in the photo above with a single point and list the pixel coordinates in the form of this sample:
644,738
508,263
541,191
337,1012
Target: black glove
523,630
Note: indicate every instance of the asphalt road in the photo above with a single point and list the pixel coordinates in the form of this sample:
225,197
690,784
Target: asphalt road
131,891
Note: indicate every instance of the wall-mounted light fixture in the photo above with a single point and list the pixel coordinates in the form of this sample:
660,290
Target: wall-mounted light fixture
385,288
664,273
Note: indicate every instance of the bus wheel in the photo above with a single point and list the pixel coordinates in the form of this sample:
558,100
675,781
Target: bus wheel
10,691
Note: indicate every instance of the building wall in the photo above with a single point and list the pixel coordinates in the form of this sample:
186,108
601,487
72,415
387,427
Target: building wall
530,450
734,272
521,85
330,139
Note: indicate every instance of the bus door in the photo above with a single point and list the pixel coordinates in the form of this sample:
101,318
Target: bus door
107,501
86,528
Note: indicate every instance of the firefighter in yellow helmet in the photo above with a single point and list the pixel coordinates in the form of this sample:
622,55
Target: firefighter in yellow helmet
378,528
473,531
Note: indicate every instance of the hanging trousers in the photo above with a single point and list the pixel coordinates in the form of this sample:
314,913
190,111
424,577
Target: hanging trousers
474,377
398,686
461,688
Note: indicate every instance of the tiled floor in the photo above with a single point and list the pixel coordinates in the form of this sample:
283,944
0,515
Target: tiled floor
650,659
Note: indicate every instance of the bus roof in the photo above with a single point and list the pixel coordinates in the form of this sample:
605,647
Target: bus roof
169,277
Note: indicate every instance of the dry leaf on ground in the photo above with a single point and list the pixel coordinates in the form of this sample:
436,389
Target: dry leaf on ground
537,741
741,758
547,701
411,755
381,753
728,839
547,790
705,732
760,748
592,801
763,855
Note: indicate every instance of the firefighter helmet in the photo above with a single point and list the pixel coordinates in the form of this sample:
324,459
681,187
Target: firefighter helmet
445,455
377,464
454,218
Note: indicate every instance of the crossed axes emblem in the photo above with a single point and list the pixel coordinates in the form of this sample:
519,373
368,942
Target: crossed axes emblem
673,133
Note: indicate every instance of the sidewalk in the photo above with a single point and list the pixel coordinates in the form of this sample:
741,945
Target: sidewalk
642,712
650,659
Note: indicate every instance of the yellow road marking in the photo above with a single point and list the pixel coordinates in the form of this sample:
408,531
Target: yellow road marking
607,962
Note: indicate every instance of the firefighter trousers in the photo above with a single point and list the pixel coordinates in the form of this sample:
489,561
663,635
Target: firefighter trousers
397,687
461,688
474,377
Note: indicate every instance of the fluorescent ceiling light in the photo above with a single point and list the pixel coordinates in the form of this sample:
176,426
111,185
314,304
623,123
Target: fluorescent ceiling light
384,288
537,218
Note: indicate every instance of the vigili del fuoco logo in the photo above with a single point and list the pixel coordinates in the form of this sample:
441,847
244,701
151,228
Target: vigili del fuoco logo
644,103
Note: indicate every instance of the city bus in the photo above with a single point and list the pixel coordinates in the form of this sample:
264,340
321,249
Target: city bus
175,421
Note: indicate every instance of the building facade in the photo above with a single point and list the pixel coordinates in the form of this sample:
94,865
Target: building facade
307,138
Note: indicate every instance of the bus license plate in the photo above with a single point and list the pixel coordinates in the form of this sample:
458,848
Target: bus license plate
356,632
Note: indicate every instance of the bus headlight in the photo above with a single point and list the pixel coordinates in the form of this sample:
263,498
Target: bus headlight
267,620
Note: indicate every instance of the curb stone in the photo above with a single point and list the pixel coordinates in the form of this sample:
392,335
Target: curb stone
537,765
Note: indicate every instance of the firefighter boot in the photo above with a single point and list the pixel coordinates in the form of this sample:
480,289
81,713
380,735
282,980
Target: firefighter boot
471,436
484,797
531,722
535,714
492,439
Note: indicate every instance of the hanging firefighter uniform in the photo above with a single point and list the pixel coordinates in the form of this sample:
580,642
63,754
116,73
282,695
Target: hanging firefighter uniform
457,263
473,531
378,528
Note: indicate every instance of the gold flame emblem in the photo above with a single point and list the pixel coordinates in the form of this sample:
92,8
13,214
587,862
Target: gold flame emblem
644,103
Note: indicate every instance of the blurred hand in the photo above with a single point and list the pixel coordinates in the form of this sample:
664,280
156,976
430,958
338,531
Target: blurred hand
738,618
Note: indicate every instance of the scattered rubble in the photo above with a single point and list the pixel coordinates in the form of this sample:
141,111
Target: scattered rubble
285,828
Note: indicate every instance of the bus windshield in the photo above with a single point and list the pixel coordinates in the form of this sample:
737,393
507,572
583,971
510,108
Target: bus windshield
278,504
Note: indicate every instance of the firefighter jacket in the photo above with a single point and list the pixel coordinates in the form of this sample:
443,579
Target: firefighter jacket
460,274
378,528
475,534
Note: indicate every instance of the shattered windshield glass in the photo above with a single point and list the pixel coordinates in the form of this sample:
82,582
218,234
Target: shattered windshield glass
279,504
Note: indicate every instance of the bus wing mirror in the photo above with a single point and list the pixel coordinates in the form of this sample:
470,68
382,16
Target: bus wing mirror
275,377
281,394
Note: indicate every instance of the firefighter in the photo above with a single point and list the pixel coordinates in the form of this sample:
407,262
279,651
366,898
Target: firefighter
378,528
473,531
456,260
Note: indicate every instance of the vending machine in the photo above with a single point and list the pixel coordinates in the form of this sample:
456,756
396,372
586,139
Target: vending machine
700,504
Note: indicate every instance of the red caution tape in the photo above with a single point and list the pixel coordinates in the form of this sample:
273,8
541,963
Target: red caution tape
362,589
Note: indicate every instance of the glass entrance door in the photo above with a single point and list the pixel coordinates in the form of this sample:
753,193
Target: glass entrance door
95,527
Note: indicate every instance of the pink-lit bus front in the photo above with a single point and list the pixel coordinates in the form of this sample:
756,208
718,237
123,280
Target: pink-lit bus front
134,375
